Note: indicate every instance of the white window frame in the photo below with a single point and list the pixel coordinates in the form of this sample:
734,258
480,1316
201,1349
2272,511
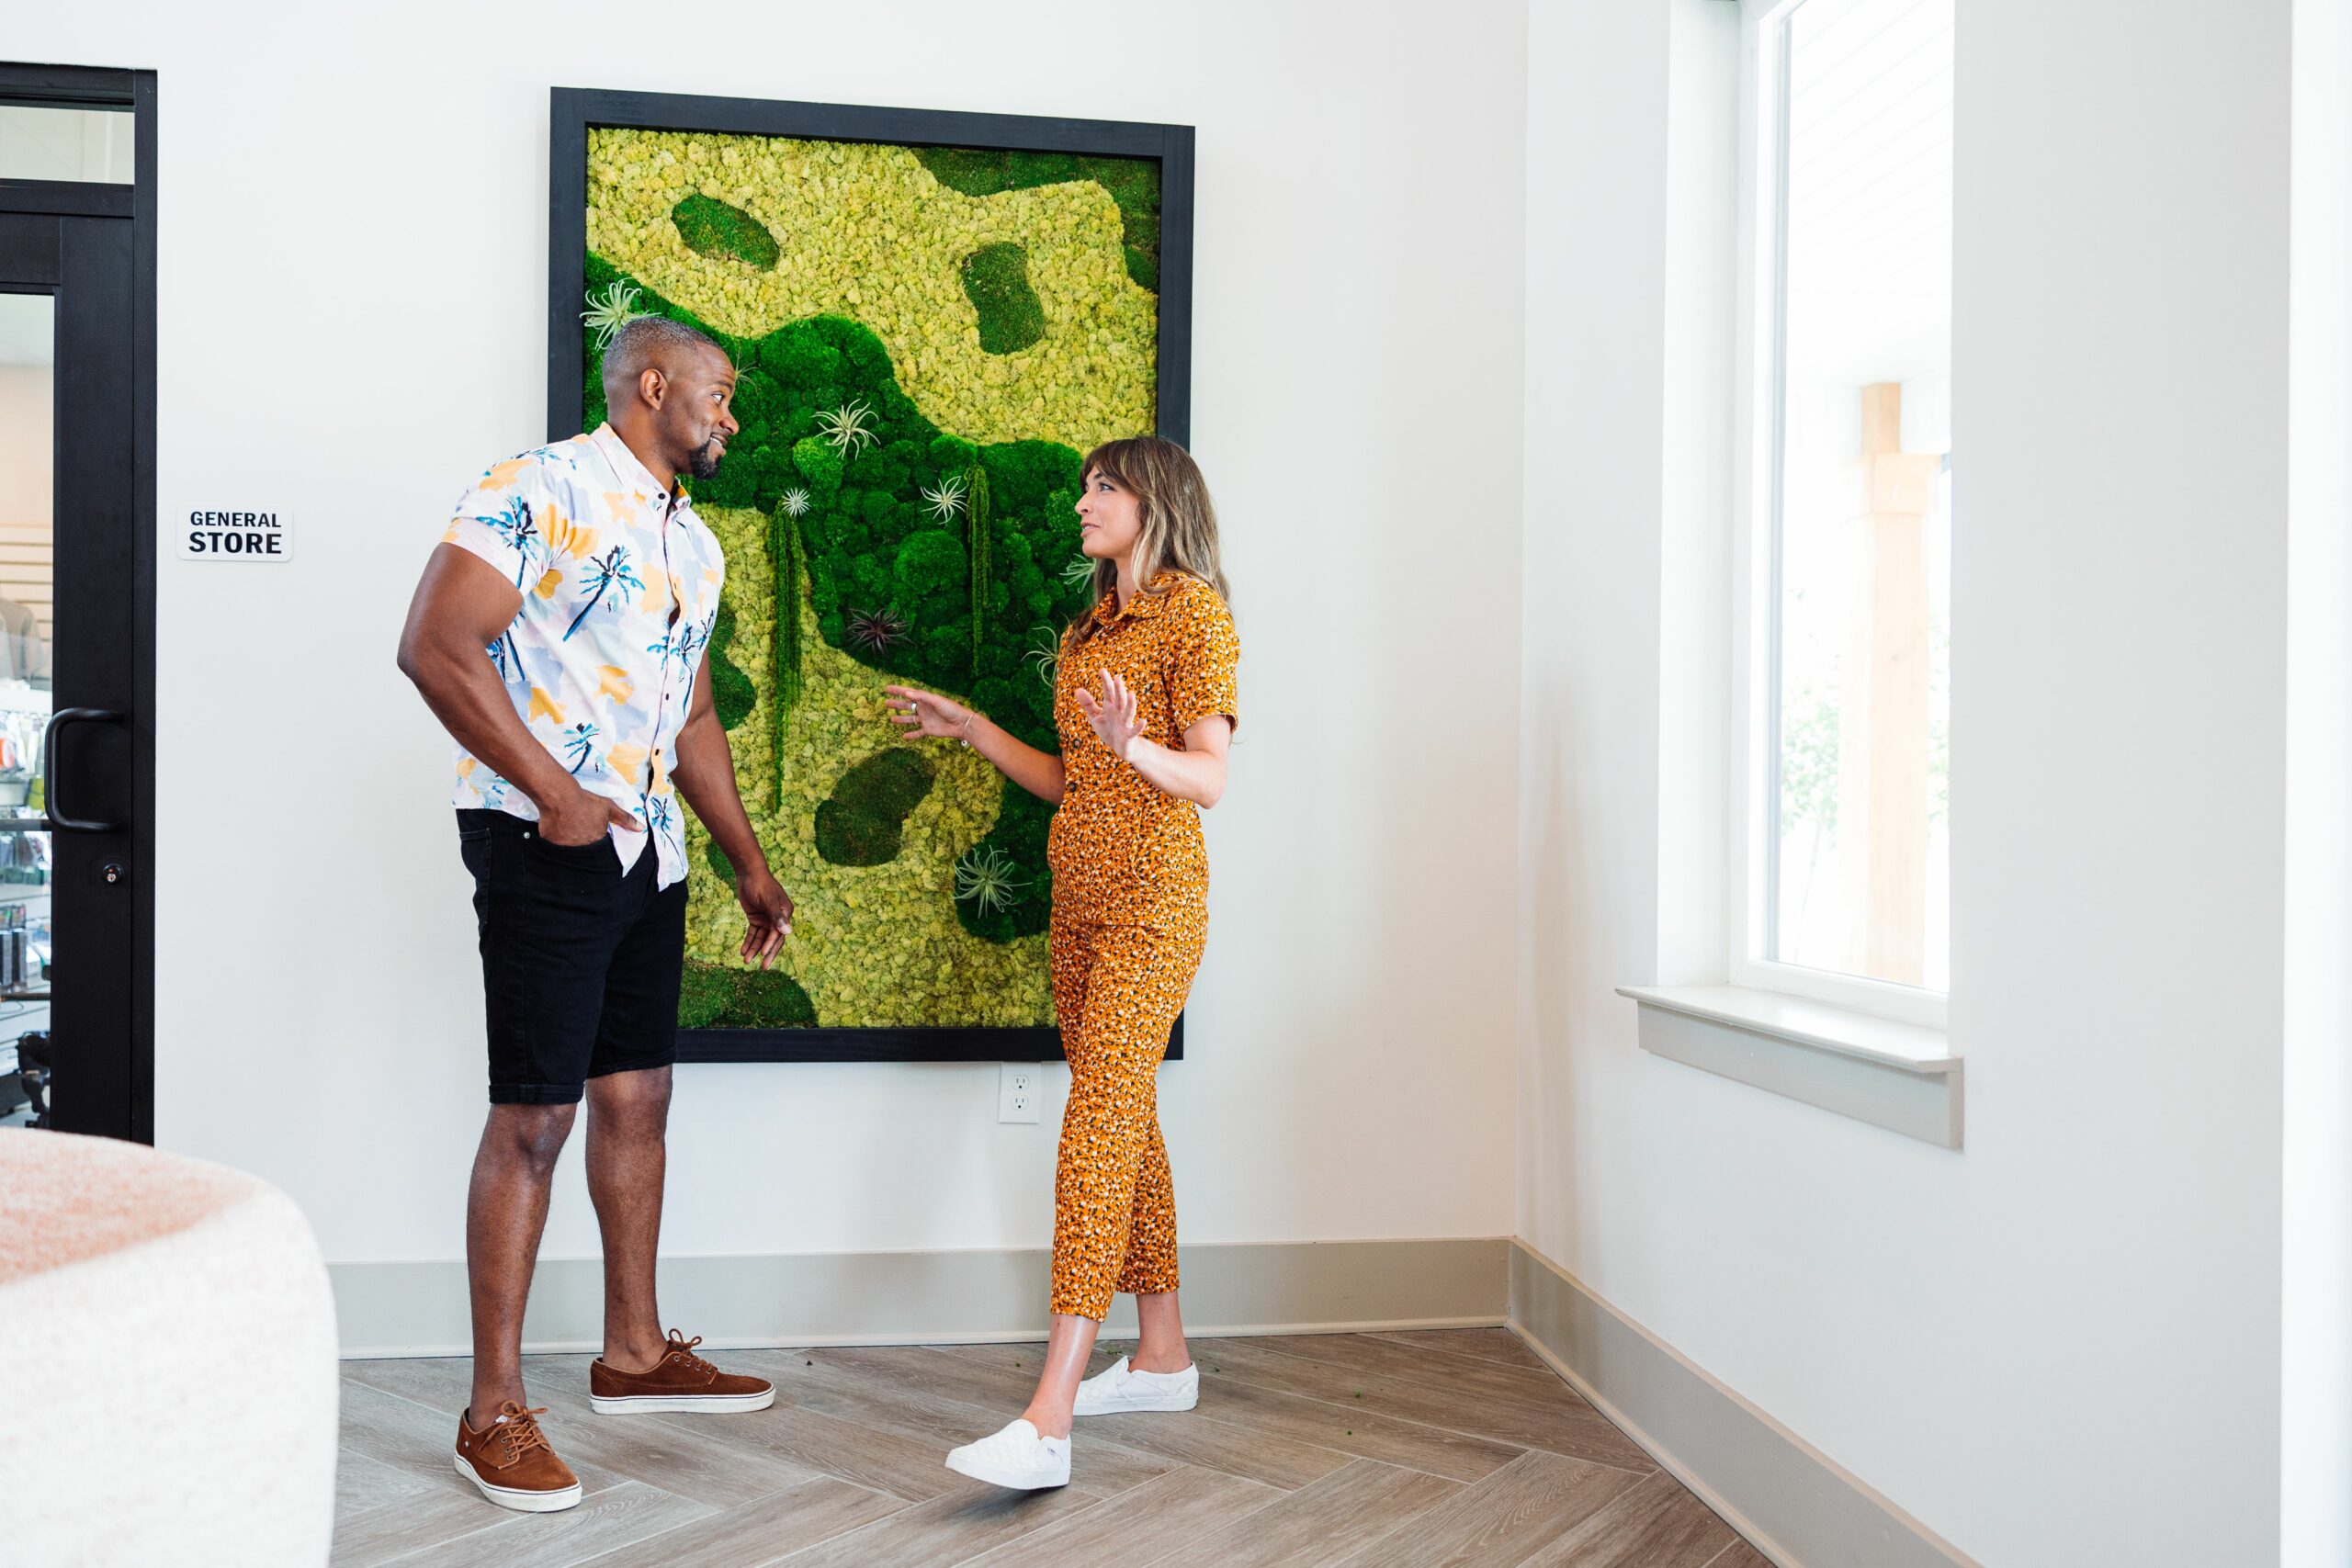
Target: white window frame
1757,325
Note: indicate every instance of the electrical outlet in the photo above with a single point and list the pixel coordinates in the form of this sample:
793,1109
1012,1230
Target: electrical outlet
1016,1091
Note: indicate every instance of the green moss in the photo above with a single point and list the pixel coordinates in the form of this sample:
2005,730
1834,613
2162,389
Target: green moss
967,169
996,279
732,691
820,462
972,603
1019,835
1133,182
929,572
720,866
711,997
861,822
712,228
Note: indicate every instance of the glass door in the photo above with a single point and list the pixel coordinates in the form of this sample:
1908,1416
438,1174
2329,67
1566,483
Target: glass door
77,599
28,629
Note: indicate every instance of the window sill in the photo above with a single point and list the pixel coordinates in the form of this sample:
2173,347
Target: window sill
1895,1076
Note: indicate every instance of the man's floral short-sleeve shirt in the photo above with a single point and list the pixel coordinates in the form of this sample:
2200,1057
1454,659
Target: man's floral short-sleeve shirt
620,586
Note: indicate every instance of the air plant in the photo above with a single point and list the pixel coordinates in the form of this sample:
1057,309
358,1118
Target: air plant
1045,652
1079,573
848,428
610,311
795,502
985,876
877,631
947,500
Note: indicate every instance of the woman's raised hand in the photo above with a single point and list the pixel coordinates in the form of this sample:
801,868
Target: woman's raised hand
927,714
1115,714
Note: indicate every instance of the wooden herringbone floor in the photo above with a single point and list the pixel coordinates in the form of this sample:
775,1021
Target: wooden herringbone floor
1370,1450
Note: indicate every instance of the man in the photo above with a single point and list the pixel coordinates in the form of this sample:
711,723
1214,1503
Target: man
560,634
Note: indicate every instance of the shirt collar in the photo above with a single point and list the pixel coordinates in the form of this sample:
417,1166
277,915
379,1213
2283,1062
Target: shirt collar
1150,602
626,465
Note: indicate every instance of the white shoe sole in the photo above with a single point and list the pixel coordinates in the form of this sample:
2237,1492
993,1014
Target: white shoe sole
512,1498
680,1403
1158,1402
1014,1481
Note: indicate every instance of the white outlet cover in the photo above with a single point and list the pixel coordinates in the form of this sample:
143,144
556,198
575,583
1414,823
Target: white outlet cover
1017,1091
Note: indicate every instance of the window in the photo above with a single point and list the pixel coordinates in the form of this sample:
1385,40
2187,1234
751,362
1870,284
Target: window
1845,666
46,142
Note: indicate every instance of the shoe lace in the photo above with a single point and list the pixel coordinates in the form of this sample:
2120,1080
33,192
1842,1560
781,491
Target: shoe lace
682,1348
521,1429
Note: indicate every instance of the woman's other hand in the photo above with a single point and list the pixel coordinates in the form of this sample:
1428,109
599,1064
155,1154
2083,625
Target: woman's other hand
1113,715
927,715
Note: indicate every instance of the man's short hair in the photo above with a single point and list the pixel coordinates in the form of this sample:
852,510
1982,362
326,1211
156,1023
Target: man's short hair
642,344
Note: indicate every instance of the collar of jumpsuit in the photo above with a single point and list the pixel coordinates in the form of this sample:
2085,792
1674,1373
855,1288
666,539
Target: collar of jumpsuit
1109,612
620,584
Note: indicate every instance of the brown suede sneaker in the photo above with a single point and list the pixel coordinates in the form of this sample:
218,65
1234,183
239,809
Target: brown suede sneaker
681,1381
510,1461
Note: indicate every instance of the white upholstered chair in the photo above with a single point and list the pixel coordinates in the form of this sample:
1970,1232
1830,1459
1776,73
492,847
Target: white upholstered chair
167,1361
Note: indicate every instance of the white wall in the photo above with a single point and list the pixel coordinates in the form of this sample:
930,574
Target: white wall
353,300
2061,1346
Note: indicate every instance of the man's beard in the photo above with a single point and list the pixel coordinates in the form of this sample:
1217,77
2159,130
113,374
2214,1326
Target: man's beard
702,464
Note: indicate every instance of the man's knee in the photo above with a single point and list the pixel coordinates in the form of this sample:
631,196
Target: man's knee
642,1095
531,1135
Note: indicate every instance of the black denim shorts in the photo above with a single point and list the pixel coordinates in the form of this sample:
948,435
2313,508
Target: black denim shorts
580,962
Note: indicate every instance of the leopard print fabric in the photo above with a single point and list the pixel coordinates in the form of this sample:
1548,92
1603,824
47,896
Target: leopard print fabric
1117,989
1130,919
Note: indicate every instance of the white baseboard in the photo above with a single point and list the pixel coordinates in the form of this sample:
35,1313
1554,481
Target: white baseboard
1793,1502
900,1298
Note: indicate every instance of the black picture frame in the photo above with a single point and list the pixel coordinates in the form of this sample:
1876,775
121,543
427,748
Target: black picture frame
574,111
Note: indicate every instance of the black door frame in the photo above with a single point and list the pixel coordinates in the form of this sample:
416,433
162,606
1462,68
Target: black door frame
106,880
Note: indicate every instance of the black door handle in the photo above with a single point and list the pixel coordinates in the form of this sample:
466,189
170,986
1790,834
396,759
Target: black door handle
58,722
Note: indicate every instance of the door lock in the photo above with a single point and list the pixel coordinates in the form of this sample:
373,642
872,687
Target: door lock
112,873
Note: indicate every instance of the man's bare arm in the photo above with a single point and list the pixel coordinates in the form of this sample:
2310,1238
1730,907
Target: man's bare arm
462,605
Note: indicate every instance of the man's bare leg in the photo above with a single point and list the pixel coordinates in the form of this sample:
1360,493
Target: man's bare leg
506,1210
629,1115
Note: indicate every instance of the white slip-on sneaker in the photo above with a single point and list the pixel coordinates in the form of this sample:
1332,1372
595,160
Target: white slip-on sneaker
1016,1457
1121,1389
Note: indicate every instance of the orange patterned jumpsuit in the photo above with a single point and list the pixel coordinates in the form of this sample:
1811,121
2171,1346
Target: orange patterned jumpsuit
1131,881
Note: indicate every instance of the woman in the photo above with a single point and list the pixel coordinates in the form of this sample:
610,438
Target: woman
1146,703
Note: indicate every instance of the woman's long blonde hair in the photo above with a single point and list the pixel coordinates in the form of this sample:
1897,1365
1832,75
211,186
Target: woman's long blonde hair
1179,521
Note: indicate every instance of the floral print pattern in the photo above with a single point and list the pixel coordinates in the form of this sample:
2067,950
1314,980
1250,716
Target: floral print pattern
620,584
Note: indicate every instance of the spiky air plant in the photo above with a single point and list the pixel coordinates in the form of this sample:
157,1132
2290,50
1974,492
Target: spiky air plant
795,502
877,631
610,311
1044,654
987,878
848,427
947,500
1079,573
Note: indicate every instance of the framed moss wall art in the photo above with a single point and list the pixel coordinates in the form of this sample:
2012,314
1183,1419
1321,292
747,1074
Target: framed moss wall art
933,316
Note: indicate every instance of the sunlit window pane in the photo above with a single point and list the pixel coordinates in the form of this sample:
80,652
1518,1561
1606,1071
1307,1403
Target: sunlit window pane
1861,632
